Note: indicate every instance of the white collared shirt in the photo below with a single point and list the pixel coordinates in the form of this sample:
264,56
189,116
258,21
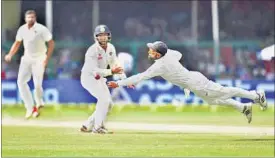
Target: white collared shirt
169,68
97,60
34,39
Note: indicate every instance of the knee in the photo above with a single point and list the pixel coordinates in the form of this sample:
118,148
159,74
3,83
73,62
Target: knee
214,102
219,102
105,99
37,86
21,82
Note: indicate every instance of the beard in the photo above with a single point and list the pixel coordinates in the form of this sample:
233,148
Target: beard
103,43
151,58
30,22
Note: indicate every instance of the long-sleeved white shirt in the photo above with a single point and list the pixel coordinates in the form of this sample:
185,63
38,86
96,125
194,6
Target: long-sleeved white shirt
169,68
97,60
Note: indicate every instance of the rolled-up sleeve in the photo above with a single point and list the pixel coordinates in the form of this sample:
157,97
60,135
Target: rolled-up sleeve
47,35
19,36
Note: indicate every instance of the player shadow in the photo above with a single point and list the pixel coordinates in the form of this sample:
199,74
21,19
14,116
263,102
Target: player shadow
255,140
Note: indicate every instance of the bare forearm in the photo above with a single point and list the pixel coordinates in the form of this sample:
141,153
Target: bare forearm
14,48
50,49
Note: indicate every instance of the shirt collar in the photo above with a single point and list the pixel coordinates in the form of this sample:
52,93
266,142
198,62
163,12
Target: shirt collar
100,48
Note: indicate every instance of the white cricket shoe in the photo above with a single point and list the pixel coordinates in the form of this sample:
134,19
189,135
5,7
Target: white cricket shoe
34,113
247,111
28,114
101,130
84,129
261,100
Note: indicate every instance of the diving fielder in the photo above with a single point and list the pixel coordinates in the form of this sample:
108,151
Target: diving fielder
33,62
101,54
167,66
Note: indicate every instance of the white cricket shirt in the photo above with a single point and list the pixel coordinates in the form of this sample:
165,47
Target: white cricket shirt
169,68
126,60
34,39
268,53
97,60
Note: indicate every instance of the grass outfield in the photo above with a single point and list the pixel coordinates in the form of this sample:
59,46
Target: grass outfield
39,141
26,141
167,114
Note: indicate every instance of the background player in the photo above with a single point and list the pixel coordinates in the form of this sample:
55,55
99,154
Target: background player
267,53
167,65
101,54
33,62
126,60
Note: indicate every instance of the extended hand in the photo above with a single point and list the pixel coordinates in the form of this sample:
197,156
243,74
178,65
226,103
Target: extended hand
112,84
131,86
117,70
8,58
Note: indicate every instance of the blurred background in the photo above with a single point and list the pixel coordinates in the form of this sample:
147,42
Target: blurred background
244,28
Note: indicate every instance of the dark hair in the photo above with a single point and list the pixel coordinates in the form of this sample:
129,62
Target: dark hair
30,12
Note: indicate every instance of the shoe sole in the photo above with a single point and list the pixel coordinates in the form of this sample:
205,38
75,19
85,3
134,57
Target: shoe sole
248,109
263,106
249,120
85,131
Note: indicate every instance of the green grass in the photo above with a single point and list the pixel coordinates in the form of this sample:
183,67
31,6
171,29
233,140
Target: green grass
46,141
168,114
39,141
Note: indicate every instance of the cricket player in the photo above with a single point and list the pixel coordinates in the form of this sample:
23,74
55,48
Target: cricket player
33,62
267,53
167,66
101,54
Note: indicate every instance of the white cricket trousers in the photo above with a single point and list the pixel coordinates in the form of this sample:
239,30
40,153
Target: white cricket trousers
34,67
216,94
98,89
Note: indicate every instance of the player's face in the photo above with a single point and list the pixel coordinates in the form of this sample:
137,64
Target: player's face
102,38
30,19
152,54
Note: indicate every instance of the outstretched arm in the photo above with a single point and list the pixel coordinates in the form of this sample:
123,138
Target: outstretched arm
155,70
